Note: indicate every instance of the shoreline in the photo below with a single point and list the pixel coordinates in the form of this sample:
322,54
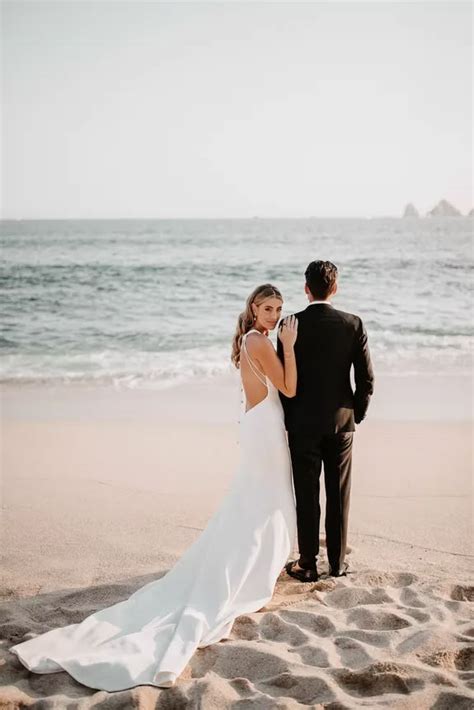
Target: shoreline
405,397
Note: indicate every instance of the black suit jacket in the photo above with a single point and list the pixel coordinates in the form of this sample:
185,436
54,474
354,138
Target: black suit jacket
329,343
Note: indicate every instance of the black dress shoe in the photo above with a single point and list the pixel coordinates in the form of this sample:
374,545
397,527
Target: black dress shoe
342,572
304,575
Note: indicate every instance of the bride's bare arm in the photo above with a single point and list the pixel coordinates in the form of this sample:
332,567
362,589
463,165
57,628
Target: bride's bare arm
282,376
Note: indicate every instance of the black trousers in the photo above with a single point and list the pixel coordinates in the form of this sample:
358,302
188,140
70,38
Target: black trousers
308,455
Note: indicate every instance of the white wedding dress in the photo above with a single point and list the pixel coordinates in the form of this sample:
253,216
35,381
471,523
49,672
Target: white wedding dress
230,569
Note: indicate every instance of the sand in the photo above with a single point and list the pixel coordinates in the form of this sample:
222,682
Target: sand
103,490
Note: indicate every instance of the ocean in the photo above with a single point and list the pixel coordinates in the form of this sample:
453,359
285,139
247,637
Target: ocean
148,303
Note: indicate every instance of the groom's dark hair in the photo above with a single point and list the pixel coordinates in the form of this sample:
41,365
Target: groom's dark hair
320,278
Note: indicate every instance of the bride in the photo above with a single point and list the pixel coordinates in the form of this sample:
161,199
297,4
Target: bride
233,565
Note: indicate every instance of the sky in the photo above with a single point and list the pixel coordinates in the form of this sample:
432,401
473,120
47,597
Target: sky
234,109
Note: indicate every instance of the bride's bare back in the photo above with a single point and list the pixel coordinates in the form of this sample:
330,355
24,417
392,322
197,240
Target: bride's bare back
253,379
259,360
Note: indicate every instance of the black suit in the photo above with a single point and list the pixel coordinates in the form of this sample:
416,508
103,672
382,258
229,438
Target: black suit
321,420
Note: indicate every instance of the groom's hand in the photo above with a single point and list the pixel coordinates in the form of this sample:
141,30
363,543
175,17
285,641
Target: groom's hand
363,375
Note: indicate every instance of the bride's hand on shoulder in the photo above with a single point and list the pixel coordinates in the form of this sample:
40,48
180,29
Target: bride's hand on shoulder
288,332
268,360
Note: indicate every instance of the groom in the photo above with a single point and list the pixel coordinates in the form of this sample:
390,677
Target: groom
320,418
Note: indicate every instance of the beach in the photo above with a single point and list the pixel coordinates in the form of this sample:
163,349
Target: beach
165,164
103,489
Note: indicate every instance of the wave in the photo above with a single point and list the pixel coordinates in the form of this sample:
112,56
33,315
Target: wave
119,368
156,370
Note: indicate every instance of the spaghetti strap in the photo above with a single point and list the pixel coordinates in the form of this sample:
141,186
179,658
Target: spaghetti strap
260,376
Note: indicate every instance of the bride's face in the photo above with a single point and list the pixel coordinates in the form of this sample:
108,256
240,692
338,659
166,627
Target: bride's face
268,312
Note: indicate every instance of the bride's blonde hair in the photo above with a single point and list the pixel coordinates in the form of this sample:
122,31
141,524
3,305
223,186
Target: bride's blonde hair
245,320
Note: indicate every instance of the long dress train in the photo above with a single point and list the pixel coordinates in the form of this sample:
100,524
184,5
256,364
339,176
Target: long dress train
230,569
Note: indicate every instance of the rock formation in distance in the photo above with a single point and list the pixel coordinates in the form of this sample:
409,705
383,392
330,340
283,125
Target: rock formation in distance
411,211
444,209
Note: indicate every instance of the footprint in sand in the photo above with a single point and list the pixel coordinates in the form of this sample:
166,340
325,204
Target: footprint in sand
243,687
348,597
455,607
464,659
312,656
351,652
462,593
317,624
452,701
467,632
439,613
245,628
418,615
16,631
376,620
372,638
237,660
305,690
378,679
413,642
451,659
387,579
274,628
411,598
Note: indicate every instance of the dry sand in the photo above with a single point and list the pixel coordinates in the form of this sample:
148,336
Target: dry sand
102,491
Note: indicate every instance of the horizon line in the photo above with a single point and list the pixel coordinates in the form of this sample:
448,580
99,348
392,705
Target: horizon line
209,218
